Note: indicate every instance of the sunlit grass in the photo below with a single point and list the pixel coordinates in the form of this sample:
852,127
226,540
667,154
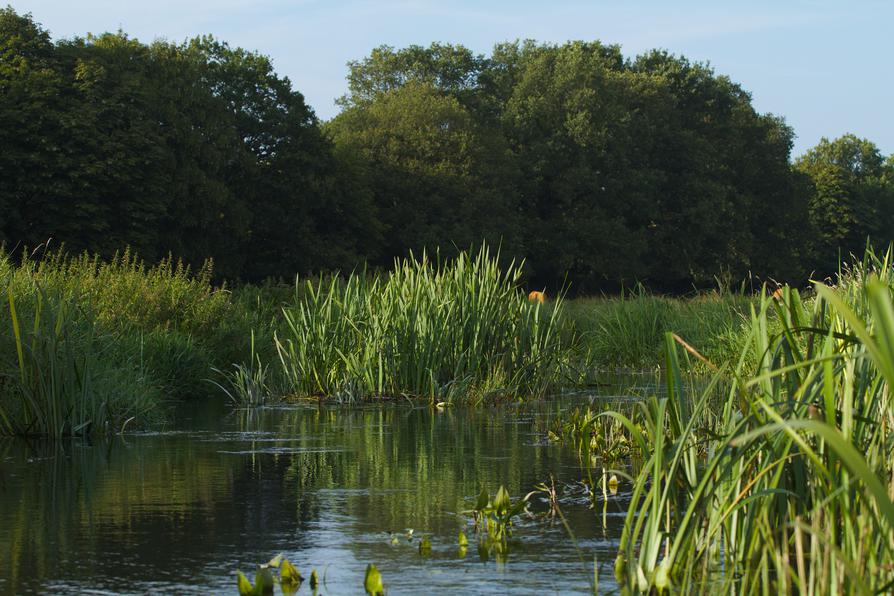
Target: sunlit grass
784,485
461,329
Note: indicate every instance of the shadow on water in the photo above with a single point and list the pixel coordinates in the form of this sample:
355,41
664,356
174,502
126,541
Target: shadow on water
178,511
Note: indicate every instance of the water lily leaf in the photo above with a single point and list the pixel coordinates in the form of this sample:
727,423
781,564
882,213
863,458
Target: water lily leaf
463,541
245,587
613,484
372,583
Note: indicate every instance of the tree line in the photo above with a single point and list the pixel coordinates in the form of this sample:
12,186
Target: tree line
599,170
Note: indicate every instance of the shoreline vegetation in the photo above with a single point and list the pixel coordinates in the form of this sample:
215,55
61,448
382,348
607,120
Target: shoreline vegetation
776,475
93,347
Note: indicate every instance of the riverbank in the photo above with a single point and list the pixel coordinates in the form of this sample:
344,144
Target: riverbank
92,347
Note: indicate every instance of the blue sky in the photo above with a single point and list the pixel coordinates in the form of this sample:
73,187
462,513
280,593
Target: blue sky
825,66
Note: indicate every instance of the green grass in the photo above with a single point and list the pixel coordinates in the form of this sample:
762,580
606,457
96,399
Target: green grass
461,329
778,478
627,331
88,346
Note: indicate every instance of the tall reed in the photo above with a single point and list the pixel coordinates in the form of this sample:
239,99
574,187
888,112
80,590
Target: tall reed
438,330
786,484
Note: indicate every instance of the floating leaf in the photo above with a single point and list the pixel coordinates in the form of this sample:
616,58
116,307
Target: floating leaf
372,583
314,581
394,539
245,587
463,541
613,484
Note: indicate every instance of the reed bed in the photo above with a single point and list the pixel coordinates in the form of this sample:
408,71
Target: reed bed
443,331
91,347
785,483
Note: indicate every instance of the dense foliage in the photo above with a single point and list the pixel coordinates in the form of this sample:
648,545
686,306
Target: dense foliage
599,170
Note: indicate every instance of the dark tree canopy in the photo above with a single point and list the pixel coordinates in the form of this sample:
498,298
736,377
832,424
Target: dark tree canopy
599,170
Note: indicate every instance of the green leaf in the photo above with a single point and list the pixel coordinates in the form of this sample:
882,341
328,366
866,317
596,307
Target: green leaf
289,575
372,582
245,587
263,582
275,561
502,502
463,541
425,546
483,500
314,580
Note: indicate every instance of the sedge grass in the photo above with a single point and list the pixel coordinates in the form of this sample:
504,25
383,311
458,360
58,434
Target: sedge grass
784,485
461,329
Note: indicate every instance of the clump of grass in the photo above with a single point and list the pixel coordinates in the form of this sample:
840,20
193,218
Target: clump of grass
246,385
117,338
64,382
785,484
628,331
460,329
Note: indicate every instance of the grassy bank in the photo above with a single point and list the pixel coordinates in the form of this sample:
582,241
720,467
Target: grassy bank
627,331
88,347
91,347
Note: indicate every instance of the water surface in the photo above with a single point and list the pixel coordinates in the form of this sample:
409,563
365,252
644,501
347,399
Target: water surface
177,511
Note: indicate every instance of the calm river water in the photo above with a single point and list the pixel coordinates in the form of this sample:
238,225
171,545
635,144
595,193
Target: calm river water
178,511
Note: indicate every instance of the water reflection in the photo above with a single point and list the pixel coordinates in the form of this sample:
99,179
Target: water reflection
178,512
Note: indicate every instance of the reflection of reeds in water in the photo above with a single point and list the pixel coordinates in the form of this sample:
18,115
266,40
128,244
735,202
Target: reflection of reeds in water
146,499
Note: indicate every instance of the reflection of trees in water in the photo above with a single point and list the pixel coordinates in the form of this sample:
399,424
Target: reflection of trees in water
167,506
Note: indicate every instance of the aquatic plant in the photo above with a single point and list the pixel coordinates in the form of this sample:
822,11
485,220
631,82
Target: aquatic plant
65,383
287,577
460,329
493,520
372,581
245,385
784,485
